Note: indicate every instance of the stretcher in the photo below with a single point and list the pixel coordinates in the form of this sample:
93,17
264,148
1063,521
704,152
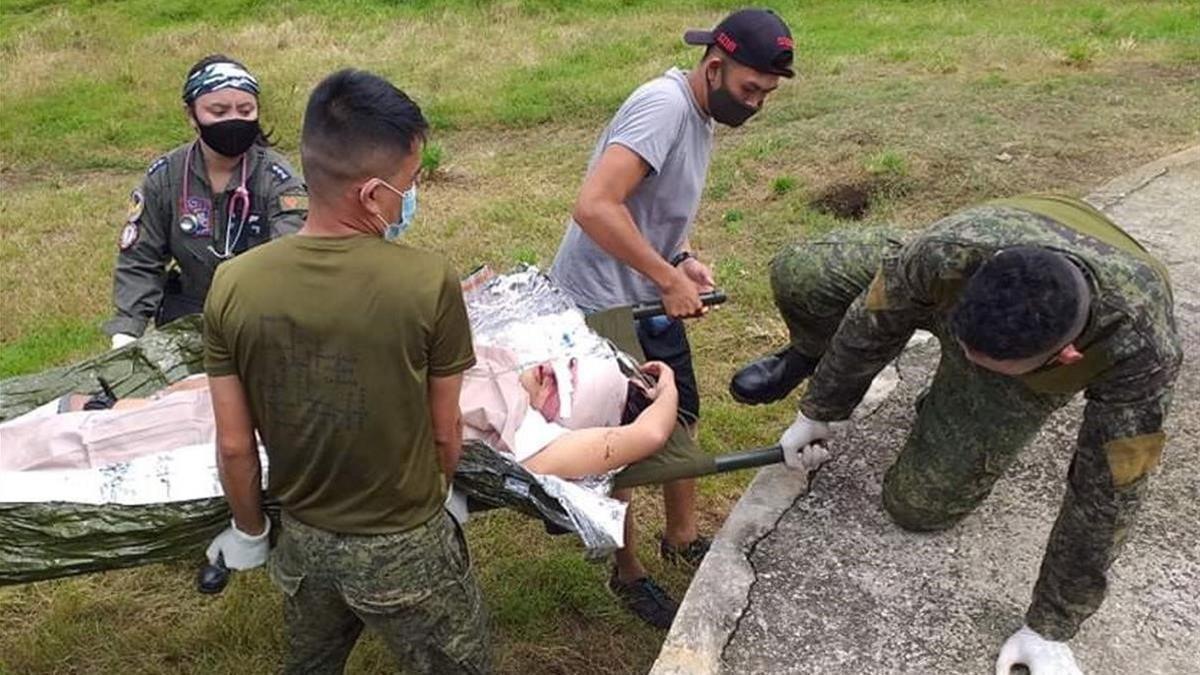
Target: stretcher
110,528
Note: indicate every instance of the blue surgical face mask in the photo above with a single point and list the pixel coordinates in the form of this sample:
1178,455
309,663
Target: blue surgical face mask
408,210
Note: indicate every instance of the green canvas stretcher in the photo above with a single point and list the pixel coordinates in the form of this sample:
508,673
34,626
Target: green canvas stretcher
50,540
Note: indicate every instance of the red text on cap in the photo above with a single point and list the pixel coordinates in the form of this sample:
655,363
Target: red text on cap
727,43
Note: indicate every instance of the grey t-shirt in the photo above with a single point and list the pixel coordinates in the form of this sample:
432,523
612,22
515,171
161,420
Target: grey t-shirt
663,124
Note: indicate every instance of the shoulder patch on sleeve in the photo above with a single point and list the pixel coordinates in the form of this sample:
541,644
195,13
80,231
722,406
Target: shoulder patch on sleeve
156,165
281,173
129,235
296,201
137,204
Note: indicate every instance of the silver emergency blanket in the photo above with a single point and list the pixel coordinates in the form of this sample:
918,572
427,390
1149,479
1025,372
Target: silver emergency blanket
524,313
167,505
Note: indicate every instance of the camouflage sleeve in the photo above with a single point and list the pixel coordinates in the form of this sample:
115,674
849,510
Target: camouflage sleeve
1120,441
912,284
138,279
287,205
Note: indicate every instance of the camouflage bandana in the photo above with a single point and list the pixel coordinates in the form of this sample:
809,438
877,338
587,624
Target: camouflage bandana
217,76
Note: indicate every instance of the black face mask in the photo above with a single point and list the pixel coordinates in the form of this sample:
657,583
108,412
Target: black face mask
231,138
726,108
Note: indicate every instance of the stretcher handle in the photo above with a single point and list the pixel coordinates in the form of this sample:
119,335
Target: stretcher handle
644,310
213,578
748,459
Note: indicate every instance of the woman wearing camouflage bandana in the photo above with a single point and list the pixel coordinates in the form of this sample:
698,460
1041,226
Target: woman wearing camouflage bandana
214,197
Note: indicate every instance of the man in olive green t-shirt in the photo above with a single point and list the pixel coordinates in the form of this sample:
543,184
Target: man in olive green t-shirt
345,352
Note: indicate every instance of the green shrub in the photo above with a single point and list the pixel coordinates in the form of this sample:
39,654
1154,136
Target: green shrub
782,185
431,159
1079,54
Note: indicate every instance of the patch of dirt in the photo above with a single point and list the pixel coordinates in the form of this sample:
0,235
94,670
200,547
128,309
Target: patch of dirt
450,175
846,201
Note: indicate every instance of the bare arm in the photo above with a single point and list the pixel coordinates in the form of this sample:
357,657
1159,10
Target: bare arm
447,421
588,452
700,273
237,453
601,212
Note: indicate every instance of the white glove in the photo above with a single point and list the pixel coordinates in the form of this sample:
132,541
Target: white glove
1039,655
121,339
801,443
240,550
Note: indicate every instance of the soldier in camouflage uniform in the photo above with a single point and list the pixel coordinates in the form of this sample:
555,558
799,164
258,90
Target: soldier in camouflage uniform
178,218
344,353
851,301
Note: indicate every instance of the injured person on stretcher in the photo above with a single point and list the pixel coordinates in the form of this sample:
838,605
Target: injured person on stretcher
569,418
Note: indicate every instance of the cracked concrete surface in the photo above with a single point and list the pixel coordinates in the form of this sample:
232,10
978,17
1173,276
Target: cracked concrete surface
712,617
820,581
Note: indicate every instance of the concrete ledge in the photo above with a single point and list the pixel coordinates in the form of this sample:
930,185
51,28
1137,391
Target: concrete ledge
701,631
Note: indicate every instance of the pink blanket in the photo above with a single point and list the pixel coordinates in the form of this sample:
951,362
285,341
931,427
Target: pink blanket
44,439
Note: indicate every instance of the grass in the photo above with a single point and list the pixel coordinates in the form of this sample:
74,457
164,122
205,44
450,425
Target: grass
923,93
431,158
67,336
1079,54
783,185
888,165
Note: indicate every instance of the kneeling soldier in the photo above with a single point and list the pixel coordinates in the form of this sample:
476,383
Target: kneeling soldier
1033,300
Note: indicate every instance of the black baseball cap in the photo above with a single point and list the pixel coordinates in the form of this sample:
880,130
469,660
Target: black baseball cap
753,37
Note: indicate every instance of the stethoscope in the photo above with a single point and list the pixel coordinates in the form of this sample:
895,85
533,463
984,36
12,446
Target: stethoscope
239,202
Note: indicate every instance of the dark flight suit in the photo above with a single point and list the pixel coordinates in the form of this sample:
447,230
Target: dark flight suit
156,233
854,297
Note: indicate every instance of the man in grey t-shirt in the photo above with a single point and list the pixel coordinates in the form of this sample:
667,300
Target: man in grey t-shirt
627,240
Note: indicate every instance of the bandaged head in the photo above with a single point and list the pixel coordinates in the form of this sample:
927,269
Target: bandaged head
597,394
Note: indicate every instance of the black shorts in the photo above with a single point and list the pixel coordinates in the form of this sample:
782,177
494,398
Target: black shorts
665,339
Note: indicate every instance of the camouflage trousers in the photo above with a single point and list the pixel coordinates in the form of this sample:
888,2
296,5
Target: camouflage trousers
971,422
413,588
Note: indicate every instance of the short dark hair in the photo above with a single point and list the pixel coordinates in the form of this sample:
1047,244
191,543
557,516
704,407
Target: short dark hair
265,137
1020,303
357,125
211,59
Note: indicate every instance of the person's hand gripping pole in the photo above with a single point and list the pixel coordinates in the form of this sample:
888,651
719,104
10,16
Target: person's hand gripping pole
804,443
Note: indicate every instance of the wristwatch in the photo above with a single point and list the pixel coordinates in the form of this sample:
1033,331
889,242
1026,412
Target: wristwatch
680,257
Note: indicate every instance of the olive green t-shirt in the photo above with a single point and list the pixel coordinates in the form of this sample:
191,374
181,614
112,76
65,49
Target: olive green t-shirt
334,340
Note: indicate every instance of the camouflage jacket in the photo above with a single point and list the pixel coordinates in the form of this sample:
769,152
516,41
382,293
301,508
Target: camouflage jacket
1131,358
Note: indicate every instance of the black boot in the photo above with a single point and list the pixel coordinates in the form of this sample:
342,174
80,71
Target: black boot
771,377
